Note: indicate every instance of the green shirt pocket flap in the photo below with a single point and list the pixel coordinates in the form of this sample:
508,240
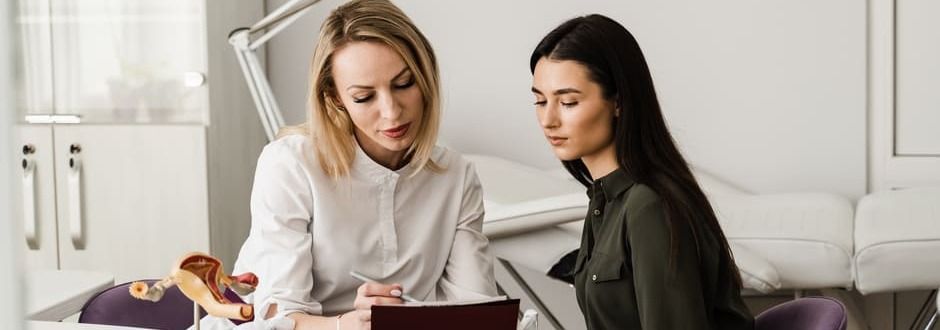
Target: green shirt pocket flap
606,267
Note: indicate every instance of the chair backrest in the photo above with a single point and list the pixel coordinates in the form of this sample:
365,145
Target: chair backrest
115,306
808,313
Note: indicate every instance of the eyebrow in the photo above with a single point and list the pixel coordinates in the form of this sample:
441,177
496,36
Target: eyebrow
399,75
557,92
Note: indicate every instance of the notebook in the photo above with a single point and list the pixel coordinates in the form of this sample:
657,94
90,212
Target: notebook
498,313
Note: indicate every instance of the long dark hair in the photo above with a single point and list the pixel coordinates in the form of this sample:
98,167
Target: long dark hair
644,147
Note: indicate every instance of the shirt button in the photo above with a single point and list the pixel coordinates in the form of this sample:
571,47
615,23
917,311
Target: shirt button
597,212
594,277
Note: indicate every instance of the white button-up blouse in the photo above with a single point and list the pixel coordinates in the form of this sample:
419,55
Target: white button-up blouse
309,231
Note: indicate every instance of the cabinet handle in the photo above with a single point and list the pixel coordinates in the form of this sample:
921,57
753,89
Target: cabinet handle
29,202
75,201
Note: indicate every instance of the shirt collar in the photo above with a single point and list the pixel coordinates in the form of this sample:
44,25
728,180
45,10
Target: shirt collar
613,184
370,168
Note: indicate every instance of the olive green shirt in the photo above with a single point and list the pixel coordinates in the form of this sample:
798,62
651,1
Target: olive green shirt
624,276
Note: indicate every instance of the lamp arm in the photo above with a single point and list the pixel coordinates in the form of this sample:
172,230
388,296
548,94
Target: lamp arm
268,111
287,9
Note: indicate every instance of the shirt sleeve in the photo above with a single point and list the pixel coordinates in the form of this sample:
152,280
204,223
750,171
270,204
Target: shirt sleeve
668,291
468,273
281,214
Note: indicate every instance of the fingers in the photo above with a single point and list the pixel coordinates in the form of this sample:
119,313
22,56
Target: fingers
370,294
379,289
367,302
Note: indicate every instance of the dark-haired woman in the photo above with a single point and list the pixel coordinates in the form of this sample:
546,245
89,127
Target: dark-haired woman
652,255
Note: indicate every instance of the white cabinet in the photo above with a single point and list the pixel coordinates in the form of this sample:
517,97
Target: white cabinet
122,198
163,159
130,61
142,195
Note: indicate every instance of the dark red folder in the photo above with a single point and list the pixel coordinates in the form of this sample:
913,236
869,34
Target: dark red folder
492,315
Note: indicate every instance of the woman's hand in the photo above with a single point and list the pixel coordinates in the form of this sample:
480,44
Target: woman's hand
367,295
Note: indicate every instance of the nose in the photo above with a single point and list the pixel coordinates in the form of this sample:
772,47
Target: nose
548,116
389,107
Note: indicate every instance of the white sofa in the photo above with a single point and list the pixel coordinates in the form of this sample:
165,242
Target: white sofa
806,238
797,241
897,241
792,241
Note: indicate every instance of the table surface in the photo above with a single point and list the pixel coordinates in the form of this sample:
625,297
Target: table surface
53,295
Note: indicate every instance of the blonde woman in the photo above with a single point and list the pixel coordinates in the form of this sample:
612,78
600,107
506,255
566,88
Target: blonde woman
362,186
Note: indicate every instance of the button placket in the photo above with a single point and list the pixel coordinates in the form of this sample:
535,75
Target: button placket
599,200
387,220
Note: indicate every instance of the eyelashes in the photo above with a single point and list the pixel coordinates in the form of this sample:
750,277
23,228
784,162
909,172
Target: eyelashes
409,83
564,104
406,85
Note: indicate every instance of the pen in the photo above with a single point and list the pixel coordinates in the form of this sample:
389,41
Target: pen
359,276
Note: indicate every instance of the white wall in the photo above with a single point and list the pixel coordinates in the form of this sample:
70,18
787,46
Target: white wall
769,95
11,314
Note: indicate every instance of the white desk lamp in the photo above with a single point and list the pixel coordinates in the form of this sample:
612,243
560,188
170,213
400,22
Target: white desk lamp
270,25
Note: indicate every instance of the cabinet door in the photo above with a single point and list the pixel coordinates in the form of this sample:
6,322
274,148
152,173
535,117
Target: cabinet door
130,61
34,196
35,57
131,198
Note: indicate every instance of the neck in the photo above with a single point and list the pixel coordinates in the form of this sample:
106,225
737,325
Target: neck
602,162
390,159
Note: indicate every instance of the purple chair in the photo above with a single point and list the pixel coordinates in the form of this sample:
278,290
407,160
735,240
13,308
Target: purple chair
809,313
115,306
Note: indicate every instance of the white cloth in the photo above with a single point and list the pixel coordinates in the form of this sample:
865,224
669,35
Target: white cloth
309,231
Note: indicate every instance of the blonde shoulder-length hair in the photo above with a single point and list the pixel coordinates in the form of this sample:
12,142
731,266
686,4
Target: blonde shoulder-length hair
328,124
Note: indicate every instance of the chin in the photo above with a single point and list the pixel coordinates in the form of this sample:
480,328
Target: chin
396,145
563,155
